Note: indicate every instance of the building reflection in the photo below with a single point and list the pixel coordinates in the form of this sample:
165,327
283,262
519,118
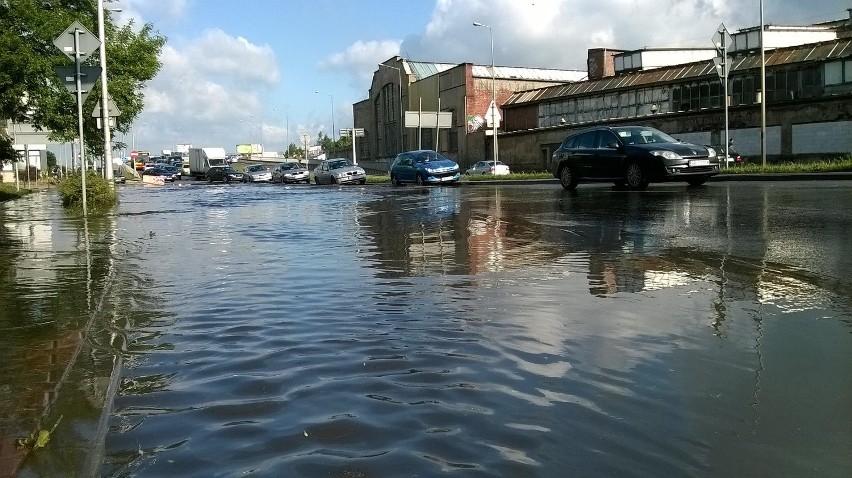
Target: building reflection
626,243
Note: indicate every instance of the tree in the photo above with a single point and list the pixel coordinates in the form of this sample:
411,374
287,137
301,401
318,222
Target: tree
7,152
31,91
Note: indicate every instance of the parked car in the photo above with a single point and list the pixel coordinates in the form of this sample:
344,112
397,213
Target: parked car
257,173
225,174
290,172
164,172
632,156
118,176
423,167
734,158
488,167
339,171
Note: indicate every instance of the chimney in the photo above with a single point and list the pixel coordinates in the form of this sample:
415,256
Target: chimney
600,63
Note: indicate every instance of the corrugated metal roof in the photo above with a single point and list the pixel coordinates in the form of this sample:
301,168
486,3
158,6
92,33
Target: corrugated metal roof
425,69
804,53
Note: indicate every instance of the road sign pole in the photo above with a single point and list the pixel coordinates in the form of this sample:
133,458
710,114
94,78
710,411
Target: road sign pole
105,97
80,115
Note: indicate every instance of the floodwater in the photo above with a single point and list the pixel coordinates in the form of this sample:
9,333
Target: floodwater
476,331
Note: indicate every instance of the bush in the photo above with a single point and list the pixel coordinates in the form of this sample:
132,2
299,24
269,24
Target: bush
100,193
8,192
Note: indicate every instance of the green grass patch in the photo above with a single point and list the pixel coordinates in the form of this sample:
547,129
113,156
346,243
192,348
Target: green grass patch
377,178
8,192
508,177
822,166
100,193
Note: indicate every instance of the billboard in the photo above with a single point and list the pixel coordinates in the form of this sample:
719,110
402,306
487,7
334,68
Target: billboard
253,148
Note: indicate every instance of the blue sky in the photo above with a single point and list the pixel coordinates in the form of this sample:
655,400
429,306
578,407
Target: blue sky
235,71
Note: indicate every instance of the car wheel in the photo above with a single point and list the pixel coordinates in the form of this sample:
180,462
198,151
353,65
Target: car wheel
209,179
316,180
332,180
228,179
420,181
635,177
567,178
395,181
697,181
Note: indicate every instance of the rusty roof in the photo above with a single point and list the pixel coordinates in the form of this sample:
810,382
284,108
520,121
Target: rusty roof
813,52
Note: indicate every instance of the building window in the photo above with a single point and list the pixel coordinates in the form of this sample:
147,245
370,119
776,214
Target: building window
833,73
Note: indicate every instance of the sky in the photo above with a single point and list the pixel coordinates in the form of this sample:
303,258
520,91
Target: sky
235,72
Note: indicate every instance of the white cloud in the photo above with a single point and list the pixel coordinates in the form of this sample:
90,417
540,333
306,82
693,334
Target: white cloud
200,91
360,59
558,33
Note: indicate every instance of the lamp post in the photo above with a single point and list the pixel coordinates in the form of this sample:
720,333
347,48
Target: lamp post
105,93
332,113
493,89
401,110
762,91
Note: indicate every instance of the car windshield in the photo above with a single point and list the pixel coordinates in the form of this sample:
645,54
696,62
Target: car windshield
255,168
428,156
338,164
643,135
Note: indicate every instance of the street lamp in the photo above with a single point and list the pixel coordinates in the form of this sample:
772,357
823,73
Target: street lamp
401,111
332,112
493,89
105,93
287,119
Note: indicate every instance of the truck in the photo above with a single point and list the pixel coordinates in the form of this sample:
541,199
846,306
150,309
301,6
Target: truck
200,160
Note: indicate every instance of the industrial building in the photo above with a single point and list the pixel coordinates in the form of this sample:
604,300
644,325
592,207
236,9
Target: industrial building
808,99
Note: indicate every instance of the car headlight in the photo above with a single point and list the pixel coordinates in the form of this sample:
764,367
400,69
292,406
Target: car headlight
666,154
711,152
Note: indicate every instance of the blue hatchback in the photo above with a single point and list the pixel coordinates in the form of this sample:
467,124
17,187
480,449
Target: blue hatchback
423,167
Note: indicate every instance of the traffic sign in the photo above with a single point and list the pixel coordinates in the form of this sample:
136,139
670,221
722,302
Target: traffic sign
87,43
722,39
306,138
89,75
112,109
722,68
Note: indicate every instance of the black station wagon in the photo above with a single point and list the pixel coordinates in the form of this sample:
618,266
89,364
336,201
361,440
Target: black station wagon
631,155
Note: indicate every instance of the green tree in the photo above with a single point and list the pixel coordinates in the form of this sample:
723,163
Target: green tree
326,143
31,91
7,152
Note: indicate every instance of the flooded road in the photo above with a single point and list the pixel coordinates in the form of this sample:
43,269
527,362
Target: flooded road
264,330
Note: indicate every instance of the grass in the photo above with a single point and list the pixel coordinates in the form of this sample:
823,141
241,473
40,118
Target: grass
509,177
822,166
8,192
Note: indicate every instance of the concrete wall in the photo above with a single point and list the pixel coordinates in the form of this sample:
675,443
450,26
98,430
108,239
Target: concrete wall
823,137
803,128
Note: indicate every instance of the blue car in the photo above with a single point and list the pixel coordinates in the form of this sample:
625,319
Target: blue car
423,167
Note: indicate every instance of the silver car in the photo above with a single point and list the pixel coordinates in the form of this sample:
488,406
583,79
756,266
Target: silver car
290,172
339,171
257,173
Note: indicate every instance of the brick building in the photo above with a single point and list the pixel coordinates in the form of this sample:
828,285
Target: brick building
463,90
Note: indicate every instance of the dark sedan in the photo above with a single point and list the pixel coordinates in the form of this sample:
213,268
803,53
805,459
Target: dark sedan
224,174
631,155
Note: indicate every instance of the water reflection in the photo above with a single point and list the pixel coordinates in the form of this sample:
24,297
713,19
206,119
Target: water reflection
494,331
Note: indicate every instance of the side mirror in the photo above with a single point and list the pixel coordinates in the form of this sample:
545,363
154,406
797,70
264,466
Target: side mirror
612,145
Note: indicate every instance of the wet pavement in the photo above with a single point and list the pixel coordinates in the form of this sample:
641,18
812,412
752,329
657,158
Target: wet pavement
488,330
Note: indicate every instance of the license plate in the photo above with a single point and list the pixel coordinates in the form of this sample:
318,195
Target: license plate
699,162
